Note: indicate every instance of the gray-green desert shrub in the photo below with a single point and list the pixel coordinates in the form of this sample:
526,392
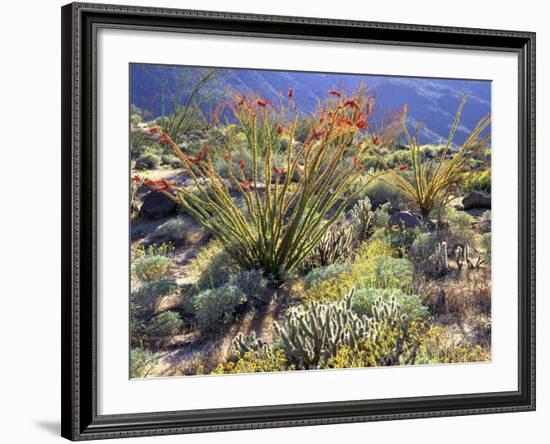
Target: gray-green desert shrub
142,363
170,160
381,217
380,192
485,244
174,230
163,325
325,273
423,246
460,227
187,295
213,265
252,283
390,272
148,297
217,306
410,304
148,161
152,268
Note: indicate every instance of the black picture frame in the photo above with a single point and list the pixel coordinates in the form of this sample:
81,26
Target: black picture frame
80,420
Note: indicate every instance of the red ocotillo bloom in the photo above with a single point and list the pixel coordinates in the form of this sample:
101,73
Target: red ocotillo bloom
153,130
164,139
362,124
374,139
166,184
280,129
317,133
136,178
290,93
352,103
261,103
242,164
335,93
403,168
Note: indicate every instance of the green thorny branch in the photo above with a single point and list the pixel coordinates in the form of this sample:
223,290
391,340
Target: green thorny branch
284,219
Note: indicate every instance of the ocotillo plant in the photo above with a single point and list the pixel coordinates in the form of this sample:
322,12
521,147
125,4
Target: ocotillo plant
432,182
286,216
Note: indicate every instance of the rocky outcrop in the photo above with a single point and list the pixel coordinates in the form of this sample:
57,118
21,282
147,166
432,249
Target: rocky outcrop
404,219
156,205
476,199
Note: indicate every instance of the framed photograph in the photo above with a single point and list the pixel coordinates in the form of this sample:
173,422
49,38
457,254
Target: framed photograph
281,221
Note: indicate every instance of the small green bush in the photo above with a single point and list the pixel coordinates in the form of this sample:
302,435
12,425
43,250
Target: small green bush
152,268
148,161
376,163
381,217
410,304
170,160
217,306
135,119
252,283
423,246
460,227
477,181
324,273
174,230
399,158
149,295
187,295
390,272
213,265
402,239
163,325
485,243
379,192
142,363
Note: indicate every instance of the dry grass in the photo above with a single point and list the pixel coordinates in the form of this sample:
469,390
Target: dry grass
459,294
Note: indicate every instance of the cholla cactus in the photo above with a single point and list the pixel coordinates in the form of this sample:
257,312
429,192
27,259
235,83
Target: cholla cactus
362,218
335,246
464,256
440,257
249,343
314,334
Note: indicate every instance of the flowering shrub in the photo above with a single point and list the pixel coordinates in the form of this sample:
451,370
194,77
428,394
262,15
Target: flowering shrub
286,216
252,362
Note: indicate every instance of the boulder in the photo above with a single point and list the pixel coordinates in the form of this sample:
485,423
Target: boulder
156,205
476,199
404,219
